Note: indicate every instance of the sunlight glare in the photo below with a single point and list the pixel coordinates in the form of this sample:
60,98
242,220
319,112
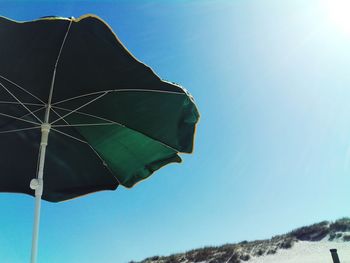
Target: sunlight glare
339,14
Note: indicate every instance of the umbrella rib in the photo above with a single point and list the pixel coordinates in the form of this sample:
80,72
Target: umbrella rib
24,115
23,89
17,130
63,42
20,119
70,125
82,106
85,124
60,116
104,163
118,90
90,148
77,125
25,103
93,116
68,135
36,117
34,111
117,123
56,63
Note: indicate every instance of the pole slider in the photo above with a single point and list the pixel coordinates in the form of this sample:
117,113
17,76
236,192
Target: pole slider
45,129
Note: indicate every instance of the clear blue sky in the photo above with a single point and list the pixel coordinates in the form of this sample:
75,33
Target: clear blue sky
271,80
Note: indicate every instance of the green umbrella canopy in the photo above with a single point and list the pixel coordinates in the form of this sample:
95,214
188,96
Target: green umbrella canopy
113,120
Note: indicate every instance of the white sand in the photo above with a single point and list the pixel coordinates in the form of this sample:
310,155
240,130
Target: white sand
308,252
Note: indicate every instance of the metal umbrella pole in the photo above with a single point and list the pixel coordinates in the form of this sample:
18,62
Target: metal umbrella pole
38,185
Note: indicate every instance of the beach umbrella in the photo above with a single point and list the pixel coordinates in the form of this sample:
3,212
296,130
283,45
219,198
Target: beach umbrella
79,108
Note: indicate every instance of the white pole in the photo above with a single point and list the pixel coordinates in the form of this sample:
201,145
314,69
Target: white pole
37,185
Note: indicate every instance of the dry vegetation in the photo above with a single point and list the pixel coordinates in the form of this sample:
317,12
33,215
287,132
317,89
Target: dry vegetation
243,251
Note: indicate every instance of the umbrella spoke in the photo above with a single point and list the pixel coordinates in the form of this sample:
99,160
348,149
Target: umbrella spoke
95,152
85,124
68,135
114,122
118,90
105,164
36,117
90,115
80,107
34,111
17,130
17,103
20,119
81,96
59,115
56,63
21,88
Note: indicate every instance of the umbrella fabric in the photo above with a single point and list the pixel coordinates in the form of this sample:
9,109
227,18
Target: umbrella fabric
113,120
